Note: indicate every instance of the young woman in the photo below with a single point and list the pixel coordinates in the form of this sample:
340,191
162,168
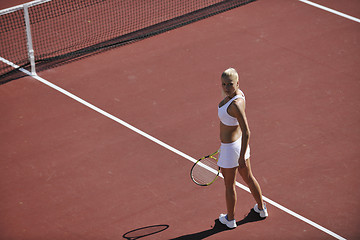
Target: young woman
235,151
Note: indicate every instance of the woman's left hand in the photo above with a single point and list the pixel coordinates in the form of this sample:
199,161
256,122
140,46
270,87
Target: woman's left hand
242,163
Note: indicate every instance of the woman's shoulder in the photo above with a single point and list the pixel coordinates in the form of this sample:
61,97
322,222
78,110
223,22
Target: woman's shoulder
238,103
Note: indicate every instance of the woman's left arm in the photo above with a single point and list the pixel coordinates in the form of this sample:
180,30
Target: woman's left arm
237,109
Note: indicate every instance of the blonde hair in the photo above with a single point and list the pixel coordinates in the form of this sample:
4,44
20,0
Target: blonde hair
231,74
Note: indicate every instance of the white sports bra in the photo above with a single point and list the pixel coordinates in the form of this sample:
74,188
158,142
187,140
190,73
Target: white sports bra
225,118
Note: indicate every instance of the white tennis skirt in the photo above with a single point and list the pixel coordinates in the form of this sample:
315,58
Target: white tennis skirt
229,154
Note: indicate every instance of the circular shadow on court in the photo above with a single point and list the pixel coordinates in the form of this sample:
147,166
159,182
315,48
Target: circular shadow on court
145,231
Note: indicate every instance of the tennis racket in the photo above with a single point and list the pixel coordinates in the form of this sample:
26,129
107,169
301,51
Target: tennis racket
205,171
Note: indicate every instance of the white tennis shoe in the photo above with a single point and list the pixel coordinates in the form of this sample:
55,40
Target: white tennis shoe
230,224
263,213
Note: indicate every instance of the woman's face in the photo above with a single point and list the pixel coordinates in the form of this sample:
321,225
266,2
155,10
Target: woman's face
229,86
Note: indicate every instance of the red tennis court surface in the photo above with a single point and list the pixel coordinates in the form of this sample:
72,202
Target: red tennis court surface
69,172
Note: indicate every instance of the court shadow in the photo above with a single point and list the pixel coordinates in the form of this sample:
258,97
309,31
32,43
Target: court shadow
219,227
145,231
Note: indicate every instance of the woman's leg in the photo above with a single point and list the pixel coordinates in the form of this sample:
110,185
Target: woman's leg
230,191
251,182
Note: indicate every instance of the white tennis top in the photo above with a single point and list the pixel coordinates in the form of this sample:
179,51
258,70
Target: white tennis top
224,116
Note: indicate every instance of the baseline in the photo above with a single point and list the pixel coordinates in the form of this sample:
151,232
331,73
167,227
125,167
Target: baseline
331,10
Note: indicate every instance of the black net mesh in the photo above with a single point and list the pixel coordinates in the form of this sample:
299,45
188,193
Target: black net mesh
66,30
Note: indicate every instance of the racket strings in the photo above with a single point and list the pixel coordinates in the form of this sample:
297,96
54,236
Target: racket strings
205,171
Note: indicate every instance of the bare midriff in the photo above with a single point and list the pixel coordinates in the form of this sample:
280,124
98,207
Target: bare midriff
229,134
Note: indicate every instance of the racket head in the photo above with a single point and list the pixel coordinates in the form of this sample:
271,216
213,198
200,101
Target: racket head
205,171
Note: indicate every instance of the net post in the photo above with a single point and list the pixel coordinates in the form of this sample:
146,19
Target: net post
29,39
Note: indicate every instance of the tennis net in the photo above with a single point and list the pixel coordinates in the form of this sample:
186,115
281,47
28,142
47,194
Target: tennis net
46,33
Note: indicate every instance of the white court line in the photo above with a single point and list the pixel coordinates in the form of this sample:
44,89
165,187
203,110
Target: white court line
161,143
331,10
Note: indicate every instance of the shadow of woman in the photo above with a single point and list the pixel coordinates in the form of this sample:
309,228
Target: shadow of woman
219,227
